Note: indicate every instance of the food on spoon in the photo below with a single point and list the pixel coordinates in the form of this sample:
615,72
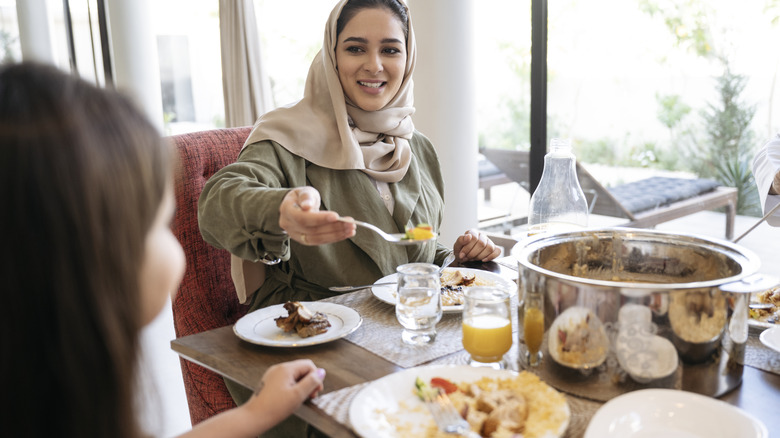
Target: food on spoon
503,407
302,320
422,231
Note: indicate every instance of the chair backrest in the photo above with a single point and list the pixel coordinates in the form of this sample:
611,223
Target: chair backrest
206,298
515,164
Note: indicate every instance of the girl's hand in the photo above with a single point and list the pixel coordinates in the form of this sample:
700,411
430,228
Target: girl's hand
284,387
474,245
301,218
775,190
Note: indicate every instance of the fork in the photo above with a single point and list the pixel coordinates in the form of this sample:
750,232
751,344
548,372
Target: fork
447,417
447,261
395,238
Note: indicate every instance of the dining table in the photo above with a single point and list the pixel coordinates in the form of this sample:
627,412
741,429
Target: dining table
374,350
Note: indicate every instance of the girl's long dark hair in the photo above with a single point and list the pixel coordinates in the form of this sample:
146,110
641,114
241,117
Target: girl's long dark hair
82,176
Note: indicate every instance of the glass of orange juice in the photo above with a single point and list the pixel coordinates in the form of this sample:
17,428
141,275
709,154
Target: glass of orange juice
487,326
533,327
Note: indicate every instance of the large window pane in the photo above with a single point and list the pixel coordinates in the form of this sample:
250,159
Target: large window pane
10,49
665,86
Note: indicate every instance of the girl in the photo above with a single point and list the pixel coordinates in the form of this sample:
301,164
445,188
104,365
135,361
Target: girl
87,193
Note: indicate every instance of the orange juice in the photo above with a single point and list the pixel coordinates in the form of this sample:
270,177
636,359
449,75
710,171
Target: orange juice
487,337
533,326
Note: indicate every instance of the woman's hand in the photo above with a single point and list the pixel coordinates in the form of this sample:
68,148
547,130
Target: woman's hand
301,218
775,190
474,245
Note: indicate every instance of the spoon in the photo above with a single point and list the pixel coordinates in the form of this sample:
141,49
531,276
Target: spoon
757,223
399,238
447,261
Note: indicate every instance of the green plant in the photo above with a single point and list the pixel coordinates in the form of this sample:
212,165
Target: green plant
671,112
6,43
726,152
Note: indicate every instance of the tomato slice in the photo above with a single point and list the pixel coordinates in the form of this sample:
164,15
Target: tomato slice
444,384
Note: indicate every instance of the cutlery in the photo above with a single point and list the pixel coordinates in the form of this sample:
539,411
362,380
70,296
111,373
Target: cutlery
354,288
447,261
399,238
769,213
446,416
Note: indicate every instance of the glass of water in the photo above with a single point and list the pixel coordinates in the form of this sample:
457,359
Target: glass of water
418,305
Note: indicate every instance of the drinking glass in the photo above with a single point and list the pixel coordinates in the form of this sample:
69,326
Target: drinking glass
487,326
418,307
533,326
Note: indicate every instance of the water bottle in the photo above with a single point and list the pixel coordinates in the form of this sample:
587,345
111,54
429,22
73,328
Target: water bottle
558,204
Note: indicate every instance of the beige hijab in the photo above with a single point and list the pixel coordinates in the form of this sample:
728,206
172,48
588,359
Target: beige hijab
327,129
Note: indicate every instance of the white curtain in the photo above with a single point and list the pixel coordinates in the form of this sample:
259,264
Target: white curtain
246,87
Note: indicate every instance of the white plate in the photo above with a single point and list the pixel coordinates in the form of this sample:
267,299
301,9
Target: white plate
391,400
387,293
260,328
771,338
669,413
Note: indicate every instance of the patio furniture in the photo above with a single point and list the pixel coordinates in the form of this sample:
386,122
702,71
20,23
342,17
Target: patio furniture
643,203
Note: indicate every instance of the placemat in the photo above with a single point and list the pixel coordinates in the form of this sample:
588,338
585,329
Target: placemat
380,332
758,355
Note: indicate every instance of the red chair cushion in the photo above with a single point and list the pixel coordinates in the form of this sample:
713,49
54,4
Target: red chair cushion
206,298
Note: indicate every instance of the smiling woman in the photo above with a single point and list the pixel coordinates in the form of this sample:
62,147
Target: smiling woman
371,56
348,150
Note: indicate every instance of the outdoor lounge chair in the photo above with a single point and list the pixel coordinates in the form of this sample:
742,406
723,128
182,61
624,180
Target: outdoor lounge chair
643,203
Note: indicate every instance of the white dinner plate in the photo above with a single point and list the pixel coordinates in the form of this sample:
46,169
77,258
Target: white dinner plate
387,293
389,403
260,328
771,338
669,413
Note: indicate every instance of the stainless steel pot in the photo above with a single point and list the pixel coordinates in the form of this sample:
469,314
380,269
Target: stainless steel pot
627,309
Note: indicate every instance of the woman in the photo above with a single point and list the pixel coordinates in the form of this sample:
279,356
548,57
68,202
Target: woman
766,169
348,148
88,260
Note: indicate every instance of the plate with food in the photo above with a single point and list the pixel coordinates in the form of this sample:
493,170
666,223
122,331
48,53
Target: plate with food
765,308
391,408
577,339
453,282
297,324
672,413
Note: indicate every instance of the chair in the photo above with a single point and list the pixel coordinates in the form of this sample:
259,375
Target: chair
644,203
206,298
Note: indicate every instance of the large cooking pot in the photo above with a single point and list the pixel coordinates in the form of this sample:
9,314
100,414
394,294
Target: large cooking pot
627,309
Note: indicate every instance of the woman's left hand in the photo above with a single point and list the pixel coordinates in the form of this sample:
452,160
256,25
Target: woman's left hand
474,245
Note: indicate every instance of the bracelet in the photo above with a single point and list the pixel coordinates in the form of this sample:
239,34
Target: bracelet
268,259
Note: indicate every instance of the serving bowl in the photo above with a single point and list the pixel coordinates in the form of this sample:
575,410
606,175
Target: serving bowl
693,289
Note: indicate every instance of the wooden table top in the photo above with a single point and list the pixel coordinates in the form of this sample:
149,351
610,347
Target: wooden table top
348,364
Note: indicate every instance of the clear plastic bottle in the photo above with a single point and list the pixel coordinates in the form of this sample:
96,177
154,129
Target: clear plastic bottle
558,204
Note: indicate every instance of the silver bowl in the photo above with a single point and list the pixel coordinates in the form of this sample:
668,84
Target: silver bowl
687,282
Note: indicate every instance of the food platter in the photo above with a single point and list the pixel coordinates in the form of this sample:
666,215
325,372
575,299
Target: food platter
387,293
388,407
260,328
672,413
